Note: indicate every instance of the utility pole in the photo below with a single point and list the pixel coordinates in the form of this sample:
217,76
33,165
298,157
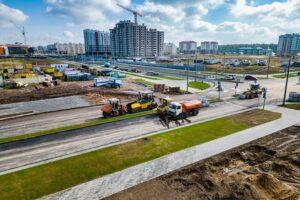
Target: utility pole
286,81
187,76
268,70
196,64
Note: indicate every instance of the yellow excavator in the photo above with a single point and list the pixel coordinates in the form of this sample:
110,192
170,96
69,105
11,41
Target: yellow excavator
145,101
163,108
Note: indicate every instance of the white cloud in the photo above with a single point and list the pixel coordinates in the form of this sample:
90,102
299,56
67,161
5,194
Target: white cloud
151,8
8,13
68,34
240,8
85,11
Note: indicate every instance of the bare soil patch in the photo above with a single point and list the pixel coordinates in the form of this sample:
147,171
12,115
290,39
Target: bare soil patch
268,168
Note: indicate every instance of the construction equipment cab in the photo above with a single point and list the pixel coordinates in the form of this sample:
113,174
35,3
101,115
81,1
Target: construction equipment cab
113,107
145,101
163,107
184,109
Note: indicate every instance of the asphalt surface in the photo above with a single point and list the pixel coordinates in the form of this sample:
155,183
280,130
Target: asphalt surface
116,182
23,154
44,121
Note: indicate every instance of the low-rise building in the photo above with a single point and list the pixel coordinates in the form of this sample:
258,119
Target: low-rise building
255,51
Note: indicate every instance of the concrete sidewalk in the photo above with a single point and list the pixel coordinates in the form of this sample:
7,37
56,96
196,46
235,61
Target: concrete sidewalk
113,183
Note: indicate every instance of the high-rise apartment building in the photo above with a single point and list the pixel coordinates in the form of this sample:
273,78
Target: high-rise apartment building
129,39
209,47
96,42
188,47
288,44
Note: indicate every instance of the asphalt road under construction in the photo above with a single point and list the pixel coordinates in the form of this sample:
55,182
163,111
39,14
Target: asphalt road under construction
22,154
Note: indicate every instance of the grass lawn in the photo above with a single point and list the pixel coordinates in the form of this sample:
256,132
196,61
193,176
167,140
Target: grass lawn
284,75
170,77
142,76
295,106
144,82
215,100
76,126
45,179
199,85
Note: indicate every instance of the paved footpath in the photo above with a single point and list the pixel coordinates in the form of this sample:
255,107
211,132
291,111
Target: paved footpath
116,182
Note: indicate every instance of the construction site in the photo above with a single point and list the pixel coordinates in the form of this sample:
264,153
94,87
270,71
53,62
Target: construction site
138,118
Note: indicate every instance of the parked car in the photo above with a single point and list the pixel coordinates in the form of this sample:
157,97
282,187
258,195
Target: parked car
115,67
135,70
230,77
246,63
262,62
105,72
152,73
250,78
123,69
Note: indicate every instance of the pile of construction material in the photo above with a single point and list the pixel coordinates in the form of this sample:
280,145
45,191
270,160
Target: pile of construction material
294,97
162,88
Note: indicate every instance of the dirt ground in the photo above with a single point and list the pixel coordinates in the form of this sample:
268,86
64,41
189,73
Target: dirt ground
66,89
268,168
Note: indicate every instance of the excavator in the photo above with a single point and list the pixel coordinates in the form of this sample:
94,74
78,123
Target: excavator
145,101
113,108
252,93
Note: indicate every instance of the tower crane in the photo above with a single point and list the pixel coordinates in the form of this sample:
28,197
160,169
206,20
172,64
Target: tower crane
134,12
22,29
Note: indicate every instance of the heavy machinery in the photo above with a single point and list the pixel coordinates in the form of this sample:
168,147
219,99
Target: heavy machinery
252,93
113,108
185,109
145,101
163,107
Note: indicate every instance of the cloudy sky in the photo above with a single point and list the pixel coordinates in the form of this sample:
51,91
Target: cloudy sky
226,21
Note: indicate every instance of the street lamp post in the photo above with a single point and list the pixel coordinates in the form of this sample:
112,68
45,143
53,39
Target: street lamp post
287,81
268,70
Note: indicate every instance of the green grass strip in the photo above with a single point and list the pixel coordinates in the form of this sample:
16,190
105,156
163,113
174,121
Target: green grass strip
141,76
215,100
291,75
144,82
170,77
49,178
76,126
295,106
199,85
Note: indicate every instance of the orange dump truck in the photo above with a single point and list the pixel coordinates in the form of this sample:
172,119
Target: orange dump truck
184,109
